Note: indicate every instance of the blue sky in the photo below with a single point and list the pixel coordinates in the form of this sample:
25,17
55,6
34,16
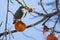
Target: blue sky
32,32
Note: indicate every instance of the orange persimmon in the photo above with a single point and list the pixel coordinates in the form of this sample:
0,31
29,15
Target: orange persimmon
31,10
52,36
20,26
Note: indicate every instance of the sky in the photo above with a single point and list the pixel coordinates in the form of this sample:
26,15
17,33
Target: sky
33,33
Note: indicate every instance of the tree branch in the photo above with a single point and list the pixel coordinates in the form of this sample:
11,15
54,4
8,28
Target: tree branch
43,7
6,20
45,17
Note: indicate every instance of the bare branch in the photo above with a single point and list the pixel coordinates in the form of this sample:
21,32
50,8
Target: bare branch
11,12
1,34
39,14
57,32
24,3
43,7
6,20
37,22
19,2
48,15
1,24
46,21
57,5
54,26
11,1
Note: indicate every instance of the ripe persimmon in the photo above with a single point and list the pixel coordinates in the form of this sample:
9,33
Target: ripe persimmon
20,26
52,36
31,10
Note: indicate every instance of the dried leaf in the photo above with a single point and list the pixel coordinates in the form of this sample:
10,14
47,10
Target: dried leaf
45,29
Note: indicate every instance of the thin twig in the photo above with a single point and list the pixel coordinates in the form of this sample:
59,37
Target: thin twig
57,5
10,34
6,20
11,12
27,27
46,20
57,31
19,2
1,34
37,22
1,24
49,15
43,7
54,26
26,7
11,1
24,3
39,14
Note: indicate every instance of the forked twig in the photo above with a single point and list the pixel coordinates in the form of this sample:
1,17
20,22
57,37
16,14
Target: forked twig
46,20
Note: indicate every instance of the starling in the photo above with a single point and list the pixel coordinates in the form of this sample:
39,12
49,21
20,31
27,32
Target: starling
18,15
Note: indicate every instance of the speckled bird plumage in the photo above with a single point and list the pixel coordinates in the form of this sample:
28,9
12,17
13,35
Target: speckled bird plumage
18,14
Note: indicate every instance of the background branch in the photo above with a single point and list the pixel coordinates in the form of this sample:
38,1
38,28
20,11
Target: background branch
43,7
6,20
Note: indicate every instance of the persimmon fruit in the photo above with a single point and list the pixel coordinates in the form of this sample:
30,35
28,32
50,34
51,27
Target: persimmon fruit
31,10
20,26
52,37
